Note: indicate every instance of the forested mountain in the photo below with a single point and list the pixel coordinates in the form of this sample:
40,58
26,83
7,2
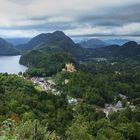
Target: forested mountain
58,38
93,43
118,41
59,42
6,48
52,52
17,41
129,50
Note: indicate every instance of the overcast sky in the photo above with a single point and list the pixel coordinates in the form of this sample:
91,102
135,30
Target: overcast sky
27,18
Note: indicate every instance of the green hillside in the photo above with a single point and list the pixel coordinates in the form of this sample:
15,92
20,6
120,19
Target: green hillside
6,48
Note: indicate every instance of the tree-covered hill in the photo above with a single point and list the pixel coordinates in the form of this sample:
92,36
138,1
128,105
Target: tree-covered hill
47,62
128,50
56,41
6,48
93,43
52,54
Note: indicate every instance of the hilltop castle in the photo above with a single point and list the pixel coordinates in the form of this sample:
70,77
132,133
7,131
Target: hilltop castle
69,67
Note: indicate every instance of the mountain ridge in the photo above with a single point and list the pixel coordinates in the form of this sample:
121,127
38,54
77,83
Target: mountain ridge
93,43
6,48
128,50
45,38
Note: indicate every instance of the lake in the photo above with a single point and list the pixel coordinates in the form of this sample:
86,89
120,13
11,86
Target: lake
10,64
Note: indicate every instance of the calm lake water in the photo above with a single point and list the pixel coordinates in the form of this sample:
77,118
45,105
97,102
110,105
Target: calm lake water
10,64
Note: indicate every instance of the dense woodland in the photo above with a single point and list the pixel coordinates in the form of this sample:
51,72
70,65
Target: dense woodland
23,108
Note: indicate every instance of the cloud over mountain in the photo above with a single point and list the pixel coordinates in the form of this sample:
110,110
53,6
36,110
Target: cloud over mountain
75,17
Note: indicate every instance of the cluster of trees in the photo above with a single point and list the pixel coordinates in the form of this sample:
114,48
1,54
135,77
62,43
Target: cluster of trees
42,64
122,125
18,96
98,89
92,89
28,130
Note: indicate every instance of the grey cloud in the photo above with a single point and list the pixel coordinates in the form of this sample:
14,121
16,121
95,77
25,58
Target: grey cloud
117,16
38,18
22,1
41,27
105,17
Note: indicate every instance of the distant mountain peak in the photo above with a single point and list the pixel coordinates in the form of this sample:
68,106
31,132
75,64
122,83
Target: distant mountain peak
2,41
6,48
59,33
93,43
55,38
130,44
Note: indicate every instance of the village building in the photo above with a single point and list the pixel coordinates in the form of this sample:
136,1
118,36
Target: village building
72,101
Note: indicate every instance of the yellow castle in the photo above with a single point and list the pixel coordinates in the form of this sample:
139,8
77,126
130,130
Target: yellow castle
70,67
